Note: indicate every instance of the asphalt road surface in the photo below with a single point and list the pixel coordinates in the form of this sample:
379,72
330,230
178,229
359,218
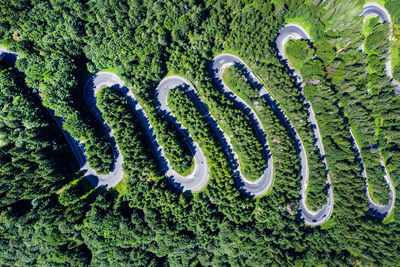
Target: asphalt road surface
198,178
376,208
376,10
260,186
92,87
296,32
194,182
94,84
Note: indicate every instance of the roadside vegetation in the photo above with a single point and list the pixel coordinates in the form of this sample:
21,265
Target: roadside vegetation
316,190
365,122
35,160
394,9
239,128
129,134
280,140
174,144
298,53
338,56
152,223
75,191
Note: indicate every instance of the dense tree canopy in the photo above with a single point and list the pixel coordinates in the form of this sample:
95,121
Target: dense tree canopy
49,214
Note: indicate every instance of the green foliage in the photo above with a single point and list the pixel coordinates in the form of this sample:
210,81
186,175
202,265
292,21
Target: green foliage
280,147
244,141
394,9
310,92
76,190
55,64
377,40
174,144
35,159
153,224
369,24
142,65
185,110
129,134
38,232
347,182
97,148
313,69
299,52
396,72
363,119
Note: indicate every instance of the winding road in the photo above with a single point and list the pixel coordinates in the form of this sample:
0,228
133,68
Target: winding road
200,175
255,188
194,182
376,208
373,9
296,32
93,85
260,186
198,178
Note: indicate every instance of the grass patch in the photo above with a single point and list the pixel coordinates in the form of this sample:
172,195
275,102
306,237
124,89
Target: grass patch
381,2
113,70
395,52
328,224
121,186
59,191
390,218
228,51
371,193
170,73
78,189
298,52
81,181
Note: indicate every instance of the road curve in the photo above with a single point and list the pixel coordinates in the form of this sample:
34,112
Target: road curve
93,85
260,186
376,10
376,208
296,32
373,9
194,182
198,178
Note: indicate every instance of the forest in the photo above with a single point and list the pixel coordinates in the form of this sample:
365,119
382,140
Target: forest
50,215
